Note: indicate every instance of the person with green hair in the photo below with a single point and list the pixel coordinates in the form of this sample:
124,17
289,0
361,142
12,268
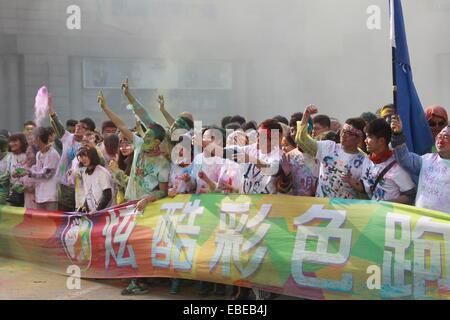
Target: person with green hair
184,122
149,175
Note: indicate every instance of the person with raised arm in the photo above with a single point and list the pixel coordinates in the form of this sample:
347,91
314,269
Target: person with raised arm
149,173
71,144
44,172
301,171
184,121
433,169
336,160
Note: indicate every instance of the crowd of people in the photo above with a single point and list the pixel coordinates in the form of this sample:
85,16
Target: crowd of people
80,168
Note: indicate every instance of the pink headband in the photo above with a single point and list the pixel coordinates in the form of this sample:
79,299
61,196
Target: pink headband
353,130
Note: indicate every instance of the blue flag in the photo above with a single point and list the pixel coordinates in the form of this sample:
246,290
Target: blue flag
415,126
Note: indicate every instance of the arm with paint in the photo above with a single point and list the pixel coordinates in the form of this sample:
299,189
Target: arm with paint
115,118
139,127
119,176
137,107
170,120
154,196
48,169
302,138
54,120
409,161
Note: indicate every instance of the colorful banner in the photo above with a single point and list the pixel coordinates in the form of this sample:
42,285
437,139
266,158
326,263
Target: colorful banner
305,247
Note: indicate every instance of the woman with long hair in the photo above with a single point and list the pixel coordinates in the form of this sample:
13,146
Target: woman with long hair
121,168
97,182
17,168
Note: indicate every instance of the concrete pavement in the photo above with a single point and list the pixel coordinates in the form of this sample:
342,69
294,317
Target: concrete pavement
22,280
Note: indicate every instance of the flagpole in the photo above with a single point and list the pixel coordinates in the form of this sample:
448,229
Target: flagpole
393,47
394,78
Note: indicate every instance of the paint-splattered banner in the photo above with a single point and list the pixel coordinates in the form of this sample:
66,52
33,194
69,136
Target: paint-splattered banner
306,247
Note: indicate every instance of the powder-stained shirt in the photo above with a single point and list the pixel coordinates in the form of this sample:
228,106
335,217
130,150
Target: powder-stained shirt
44,174
391,185
433,191
146,172
305,173
334,162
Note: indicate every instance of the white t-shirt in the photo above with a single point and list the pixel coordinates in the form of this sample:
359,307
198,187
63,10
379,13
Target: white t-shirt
176,172
261,181
210,166
394,182
16,161
334,162
305,173
231,174
95,184
46,189
433,191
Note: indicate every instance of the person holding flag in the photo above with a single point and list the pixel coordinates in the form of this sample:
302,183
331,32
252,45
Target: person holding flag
406,100
433,169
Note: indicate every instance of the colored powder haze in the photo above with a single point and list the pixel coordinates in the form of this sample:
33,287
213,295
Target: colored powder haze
258,58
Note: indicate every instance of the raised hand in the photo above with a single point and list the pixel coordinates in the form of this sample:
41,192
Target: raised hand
310,110
101,100
126,91
125,87
51,109
396,124
161,103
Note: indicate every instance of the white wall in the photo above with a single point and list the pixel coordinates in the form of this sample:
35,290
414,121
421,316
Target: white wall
285,53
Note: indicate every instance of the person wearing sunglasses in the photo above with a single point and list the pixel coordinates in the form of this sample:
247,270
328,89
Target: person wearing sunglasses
437,120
